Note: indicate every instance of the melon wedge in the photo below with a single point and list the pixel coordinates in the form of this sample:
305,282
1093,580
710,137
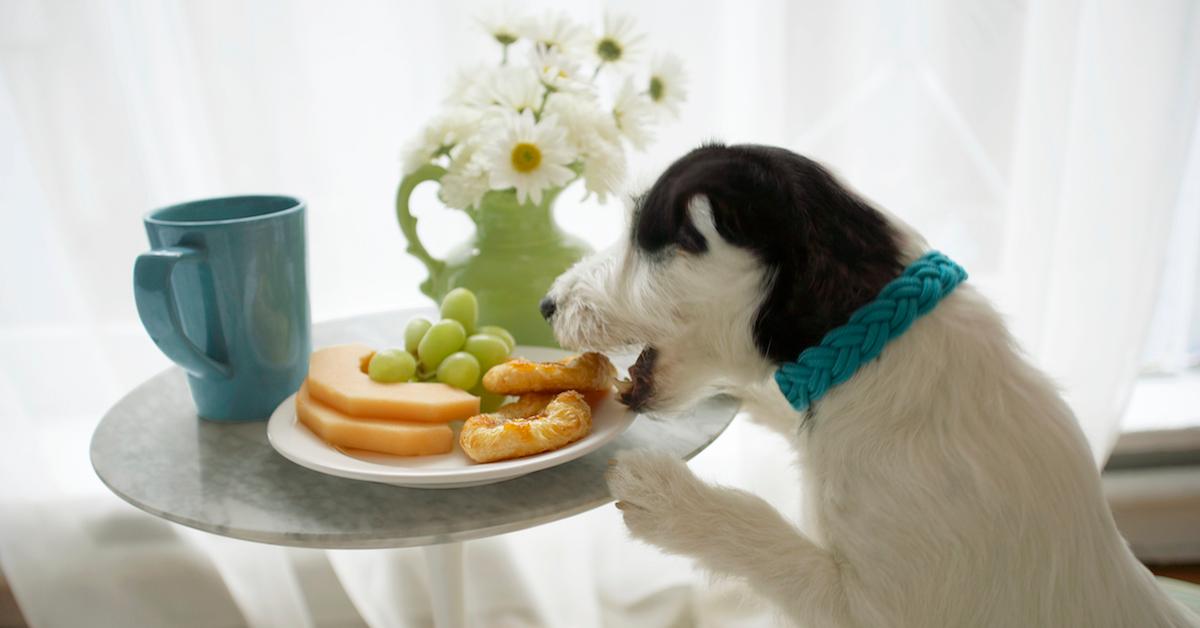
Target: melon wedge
337,379
398,438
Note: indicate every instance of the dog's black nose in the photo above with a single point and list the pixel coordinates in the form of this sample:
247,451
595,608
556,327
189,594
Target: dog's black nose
547,307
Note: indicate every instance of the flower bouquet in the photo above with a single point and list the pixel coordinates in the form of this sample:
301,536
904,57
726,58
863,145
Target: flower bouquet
562,104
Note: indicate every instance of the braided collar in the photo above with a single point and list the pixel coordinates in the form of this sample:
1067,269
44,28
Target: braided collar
844,349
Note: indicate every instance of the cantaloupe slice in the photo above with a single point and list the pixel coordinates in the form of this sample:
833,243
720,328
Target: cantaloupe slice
337,379
399,438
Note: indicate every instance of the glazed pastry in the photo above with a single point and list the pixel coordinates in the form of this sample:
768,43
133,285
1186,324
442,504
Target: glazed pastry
535,423
590,371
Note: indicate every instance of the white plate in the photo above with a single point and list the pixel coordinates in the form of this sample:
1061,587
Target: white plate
295,442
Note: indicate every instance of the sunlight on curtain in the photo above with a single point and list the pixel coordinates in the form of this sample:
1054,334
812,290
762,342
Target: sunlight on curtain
1042,145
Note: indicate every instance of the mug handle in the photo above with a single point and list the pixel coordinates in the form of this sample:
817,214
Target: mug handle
155,299
408,224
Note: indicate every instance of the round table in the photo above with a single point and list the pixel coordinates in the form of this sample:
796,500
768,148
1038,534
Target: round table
154,452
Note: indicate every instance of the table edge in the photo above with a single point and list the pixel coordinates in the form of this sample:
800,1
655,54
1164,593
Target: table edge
378,543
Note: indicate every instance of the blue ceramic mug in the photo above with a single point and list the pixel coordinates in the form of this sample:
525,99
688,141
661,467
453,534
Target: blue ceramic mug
223,293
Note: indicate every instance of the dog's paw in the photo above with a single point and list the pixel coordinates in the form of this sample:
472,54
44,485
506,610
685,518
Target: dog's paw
658,497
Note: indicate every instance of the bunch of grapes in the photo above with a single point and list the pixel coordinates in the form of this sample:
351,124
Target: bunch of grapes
452,351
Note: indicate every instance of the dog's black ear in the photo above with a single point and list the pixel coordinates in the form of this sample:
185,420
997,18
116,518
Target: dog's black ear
662,217
828,250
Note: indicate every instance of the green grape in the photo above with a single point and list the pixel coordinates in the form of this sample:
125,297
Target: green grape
392,365
460,304
414,332
500,333
442,339
460,370
488,349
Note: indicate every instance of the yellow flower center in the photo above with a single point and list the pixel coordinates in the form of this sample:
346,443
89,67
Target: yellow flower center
656,88
526,157
551,71
608,49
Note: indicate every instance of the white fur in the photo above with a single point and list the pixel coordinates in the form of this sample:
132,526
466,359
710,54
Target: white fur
947,482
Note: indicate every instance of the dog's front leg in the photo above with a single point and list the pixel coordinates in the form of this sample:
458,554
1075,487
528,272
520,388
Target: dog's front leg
727,531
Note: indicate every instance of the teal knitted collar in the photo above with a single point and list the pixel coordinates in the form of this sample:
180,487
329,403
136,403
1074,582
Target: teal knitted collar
844,349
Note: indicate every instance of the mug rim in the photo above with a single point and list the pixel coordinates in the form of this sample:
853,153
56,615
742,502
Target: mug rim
297,204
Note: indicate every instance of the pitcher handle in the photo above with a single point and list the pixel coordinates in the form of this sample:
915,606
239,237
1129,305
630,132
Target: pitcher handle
155,297
408,224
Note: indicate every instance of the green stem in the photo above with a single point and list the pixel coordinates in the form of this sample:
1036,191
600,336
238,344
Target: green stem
537,115
504,55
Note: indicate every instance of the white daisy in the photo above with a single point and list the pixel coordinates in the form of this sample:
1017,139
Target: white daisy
440,135
466,180
470,86
559,72
667,87
603,168
583,119
634,115
502,24
556,30
593,133
618,44
515,89
530,156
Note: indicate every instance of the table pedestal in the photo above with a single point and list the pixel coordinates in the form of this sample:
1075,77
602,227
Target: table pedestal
445,562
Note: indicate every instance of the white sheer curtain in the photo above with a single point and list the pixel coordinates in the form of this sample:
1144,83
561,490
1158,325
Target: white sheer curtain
1041,145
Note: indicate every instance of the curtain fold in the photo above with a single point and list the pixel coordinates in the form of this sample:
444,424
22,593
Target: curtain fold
1043,145
1106,117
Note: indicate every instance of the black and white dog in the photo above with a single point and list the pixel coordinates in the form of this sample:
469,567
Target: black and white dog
947,482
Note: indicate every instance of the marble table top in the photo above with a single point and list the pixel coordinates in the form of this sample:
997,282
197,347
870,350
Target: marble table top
153,451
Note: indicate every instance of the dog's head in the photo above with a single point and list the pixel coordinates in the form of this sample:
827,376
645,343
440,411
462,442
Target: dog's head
738,257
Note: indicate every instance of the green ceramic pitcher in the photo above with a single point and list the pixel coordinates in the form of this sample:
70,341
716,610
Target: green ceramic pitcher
509,263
